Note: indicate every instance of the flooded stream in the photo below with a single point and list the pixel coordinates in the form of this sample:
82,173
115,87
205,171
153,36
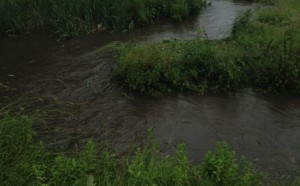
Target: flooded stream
71,81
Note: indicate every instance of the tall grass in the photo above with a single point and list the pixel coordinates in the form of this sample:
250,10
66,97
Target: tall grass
23,162
270,43
77,17
263,53
187,65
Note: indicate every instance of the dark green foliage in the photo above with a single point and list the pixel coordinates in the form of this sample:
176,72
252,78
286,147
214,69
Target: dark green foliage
77,17
270,46
195,65
194,5
15,158
241,22
263,53
179,10
222,168
24,163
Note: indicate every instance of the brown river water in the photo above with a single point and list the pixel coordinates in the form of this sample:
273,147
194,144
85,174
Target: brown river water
85,101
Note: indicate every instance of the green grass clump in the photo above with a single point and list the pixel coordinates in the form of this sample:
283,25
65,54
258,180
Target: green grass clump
78,17
270,42
222,168
187,65
263,53
24,162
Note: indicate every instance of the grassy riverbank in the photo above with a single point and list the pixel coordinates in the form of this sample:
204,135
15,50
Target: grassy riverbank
23,162
77,17
263,53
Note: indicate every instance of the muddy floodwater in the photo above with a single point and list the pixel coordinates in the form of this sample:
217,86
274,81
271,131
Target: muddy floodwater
76,85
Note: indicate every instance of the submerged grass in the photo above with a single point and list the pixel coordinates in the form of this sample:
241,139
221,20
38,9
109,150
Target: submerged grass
77,17
263,53
23,162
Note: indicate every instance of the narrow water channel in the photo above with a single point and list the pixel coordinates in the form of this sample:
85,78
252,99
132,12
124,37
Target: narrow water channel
67,77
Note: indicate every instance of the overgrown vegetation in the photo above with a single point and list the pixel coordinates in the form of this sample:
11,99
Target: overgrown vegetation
23,162
270,43
188,65
263,53
77,17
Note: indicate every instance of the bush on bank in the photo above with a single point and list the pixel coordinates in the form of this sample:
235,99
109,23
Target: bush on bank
187,65
263,53
23,162
77,17
270,43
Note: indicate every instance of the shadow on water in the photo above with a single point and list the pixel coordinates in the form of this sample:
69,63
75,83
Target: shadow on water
266,129
84,101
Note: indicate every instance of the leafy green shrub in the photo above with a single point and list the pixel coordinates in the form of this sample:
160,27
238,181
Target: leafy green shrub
263,53
269,42
65,170
24,163
194,5
261,56
179,10
212,66
223,168
141,67
196,65
241,23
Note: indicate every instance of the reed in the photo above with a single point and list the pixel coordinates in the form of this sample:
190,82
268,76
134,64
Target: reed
78,17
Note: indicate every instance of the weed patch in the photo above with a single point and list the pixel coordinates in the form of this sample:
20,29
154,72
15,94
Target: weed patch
263,53
69,18
26,163
195,66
